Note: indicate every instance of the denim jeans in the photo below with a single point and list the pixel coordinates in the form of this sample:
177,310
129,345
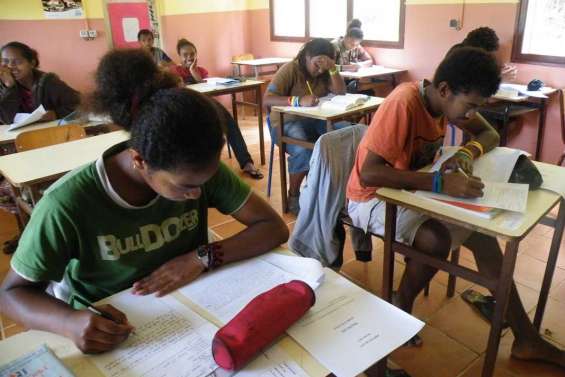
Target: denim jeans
306,129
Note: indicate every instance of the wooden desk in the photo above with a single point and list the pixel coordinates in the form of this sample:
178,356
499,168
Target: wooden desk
375,71
540,202
504,108
218,90
316,113
7,138
81,366
48,163
258,63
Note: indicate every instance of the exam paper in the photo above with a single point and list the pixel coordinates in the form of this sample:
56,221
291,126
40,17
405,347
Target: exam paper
23,119
347,320
309,270
234,286
553,178
170,340
508,196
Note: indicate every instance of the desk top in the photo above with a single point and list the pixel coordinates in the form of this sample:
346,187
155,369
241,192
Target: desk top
508,92
263,61
506,225
315,112
47,163
7,137
373,71
206,88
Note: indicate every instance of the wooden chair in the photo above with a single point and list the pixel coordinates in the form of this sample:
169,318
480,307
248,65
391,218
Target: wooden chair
562,113
48,136
26,200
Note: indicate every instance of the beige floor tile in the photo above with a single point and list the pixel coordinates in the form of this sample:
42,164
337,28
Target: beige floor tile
529,271
553,326
439,356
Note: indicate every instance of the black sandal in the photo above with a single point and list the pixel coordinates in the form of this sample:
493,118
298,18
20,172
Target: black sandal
255,174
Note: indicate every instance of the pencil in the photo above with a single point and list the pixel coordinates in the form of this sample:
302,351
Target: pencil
309,88
462,172
92,309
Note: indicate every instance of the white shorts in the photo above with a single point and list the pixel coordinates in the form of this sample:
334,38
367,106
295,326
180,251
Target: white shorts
370,216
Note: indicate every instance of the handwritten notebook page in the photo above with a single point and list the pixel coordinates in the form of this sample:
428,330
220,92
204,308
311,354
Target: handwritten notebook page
169,337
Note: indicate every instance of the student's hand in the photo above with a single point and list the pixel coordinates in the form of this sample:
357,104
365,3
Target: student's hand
194,64
92,333
458,185
458,161
309,101
326,63
172,275
509,72
49,116
6,77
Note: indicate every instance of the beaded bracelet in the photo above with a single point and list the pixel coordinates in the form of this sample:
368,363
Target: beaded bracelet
465,152
437,182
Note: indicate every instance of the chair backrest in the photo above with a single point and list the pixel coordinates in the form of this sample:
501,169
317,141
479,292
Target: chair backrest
562,111
48,136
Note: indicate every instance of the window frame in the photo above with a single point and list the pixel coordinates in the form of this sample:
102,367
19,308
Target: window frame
366,42
517,55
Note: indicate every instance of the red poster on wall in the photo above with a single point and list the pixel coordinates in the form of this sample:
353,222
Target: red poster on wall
126,19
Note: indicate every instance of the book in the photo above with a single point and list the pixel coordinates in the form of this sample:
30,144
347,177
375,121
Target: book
40,363
343,102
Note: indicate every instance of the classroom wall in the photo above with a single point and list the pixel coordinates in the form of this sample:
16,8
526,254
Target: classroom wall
427,39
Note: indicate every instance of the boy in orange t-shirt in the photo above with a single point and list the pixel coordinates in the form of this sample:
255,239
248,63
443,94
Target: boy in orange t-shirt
404,136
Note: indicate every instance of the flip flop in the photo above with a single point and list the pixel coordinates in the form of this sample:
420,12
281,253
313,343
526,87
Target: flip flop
255,174
483,304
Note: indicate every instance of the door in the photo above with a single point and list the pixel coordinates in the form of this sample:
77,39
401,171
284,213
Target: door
127,18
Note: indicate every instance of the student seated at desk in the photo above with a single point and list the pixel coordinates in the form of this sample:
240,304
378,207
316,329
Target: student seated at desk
23,87
146,40
350,55
404,135
312,74
138,215
486,38
191,73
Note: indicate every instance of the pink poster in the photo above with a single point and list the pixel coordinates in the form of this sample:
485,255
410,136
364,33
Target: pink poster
126,19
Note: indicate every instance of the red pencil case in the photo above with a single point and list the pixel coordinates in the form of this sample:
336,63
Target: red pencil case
260,322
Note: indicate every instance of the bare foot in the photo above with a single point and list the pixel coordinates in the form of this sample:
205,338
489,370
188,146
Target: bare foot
538,350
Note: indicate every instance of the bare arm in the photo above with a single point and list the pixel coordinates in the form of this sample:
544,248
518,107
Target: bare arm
482,131
29,303
264,230
375,172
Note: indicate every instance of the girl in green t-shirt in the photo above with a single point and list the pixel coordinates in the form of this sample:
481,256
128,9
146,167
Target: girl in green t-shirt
137,216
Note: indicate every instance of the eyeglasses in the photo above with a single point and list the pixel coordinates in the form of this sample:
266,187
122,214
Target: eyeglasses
16,61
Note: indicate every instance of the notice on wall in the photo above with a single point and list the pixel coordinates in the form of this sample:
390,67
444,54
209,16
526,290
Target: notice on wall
62,9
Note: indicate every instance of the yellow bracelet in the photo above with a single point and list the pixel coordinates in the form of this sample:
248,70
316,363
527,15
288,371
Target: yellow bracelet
476,144
466,152
333,71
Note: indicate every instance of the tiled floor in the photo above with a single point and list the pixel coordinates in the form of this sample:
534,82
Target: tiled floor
455,336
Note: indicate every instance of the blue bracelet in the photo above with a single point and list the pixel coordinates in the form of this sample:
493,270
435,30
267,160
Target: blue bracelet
436,182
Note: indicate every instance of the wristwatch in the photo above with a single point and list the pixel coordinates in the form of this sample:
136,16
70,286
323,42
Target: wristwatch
203,255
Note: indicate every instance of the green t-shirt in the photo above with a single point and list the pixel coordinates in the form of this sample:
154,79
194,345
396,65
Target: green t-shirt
78,233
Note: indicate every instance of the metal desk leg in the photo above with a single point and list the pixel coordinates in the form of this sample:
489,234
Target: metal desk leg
501,296
541,126
256,69
282,163
388,265
393,81
551,263
260,124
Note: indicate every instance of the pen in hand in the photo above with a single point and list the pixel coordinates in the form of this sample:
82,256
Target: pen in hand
92,309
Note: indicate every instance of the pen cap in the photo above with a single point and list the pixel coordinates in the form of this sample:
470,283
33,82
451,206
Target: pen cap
261,322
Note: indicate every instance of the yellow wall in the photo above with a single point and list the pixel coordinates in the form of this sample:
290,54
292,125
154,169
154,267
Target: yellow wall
32,10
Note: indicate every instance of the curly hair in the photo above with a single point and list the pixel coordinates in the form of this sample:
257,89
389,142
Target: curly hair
483,37
27,52
170,126
468,69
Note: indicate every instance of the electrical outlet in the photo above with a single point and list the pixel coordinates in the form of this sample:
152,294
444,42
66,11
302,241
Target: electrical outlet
92,34
455,24
84,34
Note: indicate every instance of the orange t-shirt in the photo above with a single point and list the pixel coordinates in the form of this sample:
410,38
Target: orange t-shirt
403,133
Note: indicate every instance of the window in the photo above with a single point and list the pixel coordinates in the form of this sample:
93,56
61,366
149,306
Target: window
301,20
540,32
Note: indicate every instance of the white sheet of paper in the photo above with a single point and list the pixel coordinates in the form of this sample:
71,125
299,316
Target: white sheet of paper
494,166
309,270
169,337
23,119
234,286
508,196
350,329
553,178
